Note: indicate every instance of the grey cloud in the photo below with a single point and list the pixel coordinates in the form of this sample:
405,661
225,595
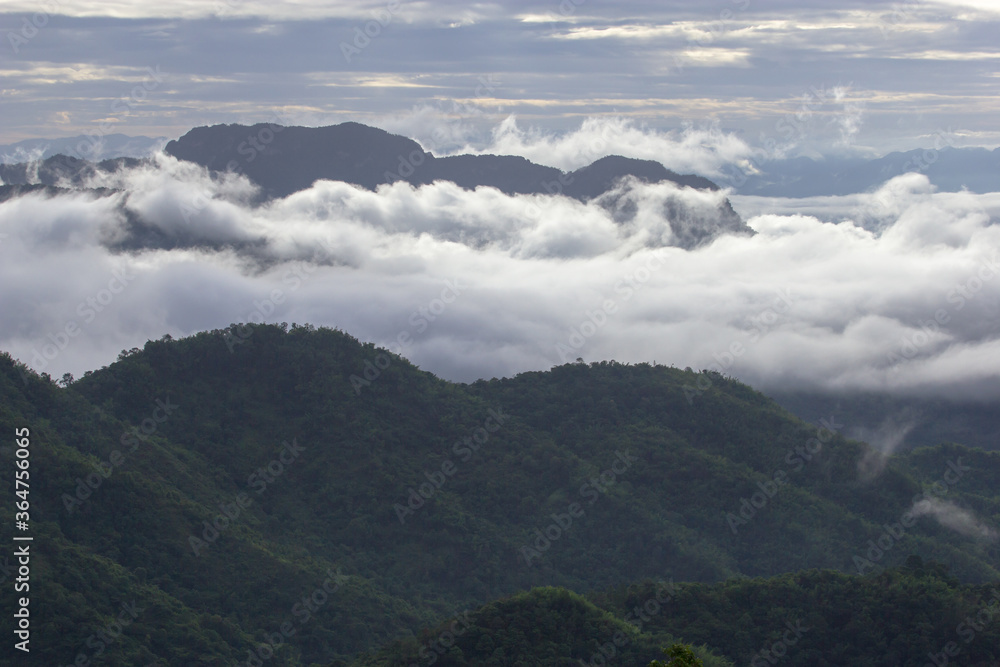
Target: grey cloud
230,69
805,303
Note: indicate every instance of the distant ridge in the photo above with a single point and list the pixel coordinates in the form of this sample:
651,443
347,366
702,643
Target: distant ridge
92,147
284,160
950,169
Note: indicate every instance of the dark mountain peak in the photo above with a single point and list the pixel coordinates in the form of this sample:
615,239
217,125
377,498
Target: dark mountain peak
622,162
283,160
601,175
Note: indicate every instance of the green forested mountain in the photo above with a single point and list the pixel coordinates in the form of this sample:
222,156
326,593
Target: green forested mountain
294,486
545,626
899,617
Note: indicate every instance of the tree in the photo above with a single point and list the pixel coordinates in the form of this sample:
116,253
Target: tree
680,656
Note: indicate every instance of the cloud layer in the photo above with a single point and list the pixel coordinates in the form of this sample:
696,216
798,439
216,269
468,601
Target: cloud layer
906,300
817,75
703,151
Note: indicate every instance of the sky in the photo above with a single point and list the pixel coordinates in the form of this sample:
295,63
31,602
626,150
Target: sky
893,290
814,76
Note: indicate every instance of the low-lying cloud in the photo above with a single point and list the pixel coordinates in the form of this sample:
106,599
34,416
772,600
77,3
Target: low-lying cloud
885,440
955,518
704,151
811,301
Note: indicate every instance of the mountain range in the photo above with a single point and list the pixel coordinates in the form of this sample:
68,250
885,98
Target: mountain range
90,147
293,496
281,161
949,169
287,495
284,160
368,156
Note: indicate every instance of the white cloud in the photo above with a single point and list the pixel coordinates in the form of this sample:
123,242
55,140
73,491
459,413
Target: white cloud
953,517
701,151
989,6
199,8
908,307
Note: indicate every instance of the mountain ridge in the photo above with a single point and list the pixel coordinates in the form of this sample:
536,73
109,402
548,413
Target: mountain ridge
950,169
281,161
368,156
332,508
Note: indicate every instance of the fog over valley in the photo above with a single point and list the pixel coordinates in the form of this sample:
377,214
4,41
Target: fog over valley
888,290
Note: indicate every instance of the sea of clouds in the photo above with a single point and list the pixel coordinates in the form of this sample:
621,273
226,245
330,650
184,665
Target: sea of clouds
893,290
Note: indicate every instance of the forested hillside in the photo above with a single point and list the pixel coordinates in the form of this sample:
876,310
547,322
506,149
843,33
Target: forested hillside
898,618
296,493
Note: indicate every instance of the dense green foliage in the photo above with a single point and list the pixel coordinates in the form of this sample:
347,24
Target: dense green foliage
827,619
583,477
679,656
897,618
543,627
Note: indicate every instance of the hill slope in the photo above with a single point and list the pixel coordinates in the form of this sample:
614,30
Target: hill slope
396,498
900,618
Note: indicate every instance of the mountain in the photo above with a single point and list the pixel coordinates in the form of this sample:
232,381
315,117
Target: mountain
949,169
544,626
295,484
901,617
60,171
909,615
901,422
284,160
91,148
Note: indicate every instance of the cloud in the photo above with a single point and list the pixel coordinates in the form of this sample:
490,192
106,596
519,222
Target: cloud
987,6
809,302
703,151
885,440
953,517
918,67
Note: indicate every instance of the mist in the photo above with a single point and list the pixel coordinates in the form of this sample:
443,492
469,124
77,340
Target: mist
892,290
953,517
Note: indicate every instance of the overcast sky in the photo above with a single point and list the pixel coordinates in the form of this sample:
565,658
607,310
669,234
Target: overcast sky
827,75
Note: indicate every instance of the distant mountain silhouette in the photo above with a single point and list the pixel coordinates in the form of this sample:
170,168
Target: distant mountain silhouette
368,156
60,170
949,169
94,148
284,160
15,191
